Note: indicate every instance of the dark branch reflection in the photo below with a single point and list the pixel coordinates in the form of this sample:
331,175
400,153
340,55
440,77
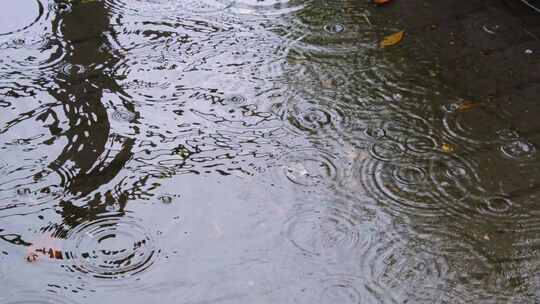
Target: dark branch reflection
87,161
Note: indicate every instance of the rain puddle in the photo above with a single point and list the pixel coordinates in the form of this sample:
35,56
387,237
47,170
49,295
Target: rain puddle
242,151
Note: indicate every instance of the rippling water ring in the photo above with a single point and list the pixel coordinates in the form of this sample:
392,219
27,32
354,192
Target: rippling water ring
110,248
19,16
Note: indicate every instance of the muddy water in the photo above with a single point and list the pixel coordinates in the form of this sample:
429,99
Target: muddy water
242,151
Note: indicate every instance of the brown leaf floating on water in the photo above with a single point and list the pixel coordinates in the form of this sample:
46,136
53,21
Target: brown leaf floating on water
52,253
44,246
467,105
392,39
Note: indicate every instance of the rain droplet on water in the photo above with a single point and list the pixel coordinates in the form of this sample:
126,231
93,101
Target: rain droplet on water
334,28
519,150
110,248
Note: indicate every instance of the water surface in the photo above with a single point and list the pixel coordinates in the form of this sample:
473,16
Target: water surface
239,151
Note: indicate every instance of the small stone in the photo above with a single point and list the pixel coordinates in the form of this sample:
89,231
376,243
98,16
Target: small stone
529,51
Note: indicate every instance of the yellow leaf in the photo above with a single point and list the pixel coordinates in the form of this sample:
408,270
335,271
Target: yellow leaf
392,39
447,148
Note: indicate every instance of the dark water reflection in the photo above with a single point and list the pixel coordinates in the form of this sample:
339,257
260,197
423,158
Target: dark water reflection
251,151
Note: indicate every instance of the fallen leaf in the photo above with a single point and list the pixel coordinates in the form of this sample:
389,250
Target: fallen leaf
44,246
380,2
52,253
467,105
447,148
392,39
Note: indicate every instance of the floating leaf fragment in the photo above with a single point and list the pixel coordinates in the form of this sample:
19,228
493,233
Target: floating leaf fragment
44,246
447,148
467,105
381,2
32,257
392,39
52,253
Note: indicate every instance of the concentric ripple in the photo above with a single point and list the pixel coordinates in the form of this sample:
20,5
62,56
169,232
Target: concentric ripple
312,167
325,231
18,15
420,145
407,274
454,177
167,198
387,151
330,77
497,206
268,7
167,8
123,115
313,118
402,187
382,79
325,29
236,99
334,28
73,70
346,289
111,248
474,124
236,111
519,150
33,52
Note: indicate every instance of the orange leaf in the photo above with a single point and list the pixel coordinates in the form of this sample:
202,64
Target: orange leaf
392,39
380,2
467,105
44,246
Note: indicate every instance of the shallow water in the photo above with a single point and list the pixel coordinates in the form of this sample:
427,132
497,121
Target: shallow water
242,151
